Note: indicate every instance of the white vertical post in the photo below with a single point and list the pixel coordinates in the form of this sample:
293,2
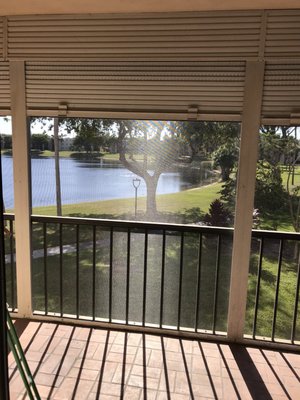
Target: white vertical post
245,199
57,169
22,186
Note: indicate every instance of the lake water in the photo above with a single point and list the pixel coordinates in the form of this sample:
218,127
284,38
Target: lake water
83,181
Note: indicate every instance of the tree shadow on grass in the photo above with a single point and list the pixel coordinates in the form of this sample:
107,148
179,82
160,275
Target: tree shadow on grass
268,276
186,216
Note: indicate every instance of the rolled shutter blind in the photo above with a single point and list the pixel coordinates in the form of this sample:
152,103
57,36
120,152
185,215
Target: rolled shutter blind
163,62
136,86
168,36
281,89
283,34
4,88
1,39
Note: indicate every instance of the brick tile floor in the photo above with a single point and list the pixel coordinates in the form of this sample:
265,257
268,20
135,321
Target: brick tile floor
83,363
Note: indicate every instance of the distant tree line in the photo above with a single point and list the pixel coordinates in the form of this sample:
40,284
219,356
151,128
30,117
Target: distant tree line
6,142
38,141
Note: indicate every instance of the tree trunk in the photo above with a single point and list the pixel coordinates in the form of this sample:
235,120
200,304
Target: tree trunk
140,169
151,184
225,174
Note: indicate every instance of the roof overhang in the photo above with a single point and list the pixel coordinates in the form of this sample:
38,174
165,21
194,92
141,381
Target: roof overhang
17,7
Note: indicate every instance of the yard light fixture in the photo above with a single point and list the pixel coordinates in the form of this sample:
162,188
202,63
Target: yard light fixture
136,183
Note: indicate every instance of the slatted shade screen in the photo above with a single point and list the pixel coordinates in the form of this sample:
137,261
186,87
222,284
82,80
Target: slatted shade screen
4,88
283,34
124,86
1,38
281,89
170,36
163,63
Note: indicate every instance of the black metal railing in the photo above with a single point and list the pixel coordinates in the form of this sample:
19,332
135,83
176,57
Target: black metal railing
137,273
273,294
10,262
158,275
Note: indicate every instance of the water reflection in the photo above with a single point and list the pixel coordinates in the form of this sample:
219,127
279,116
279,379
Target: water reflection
94,180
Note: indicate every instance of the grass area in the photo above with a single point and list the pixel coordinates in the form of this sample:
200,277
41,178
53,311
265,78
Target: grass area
171,203
110,156
284,176
84,154
286,294
136,280
199,197
171,208
287,287
62,153
280,222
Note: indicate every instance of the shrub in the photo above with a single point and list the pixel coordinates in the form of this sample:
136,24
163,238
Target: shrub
218,215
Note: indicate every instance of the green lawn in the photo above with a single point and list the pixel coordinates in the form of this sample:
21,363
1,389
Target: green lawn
287,287
171,203
136,280
84,154
286,294
284,175
62,153
171,208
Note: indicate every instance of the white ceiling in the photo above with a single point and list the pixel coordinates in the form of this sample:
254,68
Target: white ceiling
20,7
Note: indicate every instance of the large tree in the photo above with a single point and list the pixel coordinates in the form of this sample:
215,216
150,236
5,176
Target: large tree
275,143
89,134
40,141
132,137
205,137
292,159
276,188
6,141
158,146
226,157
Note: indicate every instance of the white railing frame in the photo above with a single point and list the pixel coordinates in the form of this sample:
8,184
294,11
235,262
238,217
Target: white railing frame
22,206
245,199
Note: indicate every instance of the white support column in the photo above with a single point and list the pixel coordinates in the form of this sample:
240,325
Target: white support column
245,198
21,187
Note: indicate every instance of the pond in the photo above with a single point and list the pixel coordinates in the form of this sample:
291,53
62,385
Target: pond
84,181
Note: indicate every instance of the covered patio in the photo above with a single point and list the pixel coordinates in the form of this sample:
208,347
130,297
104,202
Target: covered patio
239,62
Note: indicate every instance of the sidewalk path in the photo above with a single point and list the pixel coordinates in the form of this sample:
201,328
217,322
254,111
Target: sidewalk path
66,249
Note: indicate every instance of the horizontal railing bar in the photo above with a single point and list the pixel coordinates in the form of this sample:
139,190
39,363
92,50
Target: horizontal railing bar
157,226
9,217
275,235
152,226
138,225
209,337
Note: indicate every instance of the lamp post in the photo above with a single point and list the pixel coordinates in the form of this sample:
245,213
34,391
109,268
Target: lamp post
136,183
